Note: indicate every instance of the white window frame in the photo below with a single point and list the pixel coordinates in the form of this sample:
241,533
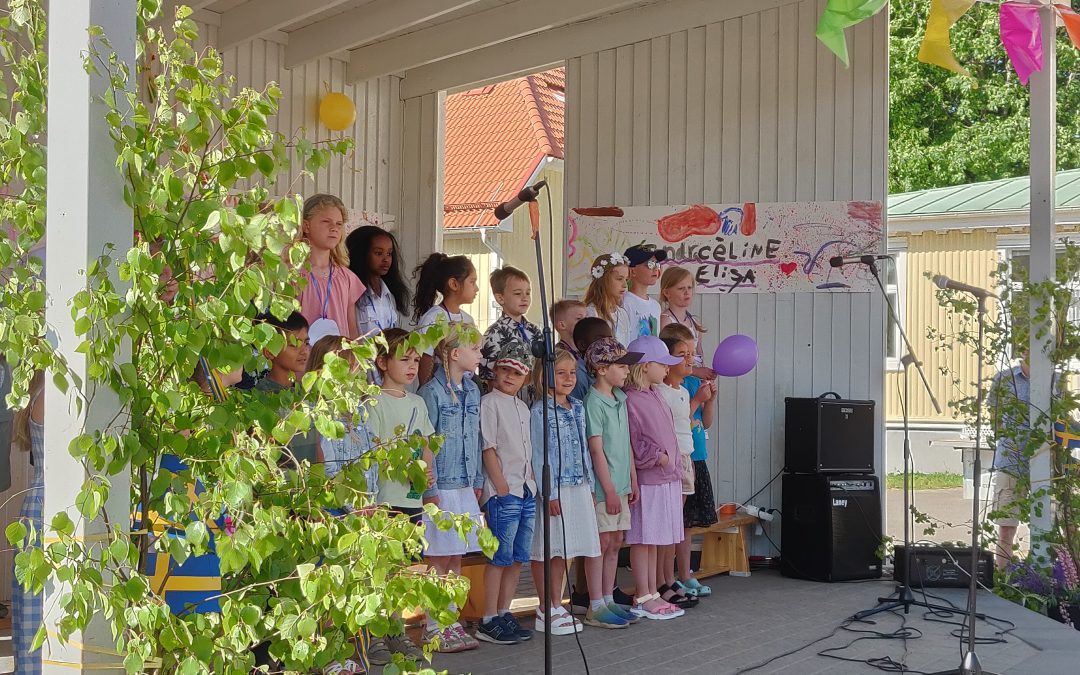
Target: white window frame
898,249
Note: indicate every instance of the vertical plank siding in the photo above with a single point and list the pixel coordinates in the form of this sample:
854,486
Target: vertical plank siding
364,179
751,108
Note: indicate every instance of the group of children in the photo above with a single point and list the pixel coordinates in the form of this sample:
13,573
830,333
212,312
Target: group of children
626,418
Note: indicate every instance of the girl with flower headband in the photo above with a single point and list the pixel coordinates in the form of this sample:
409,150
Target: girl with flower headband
604,296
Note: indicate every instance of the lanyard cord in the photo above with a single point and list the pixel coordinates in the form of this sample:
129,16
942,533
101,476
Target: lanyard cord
329,286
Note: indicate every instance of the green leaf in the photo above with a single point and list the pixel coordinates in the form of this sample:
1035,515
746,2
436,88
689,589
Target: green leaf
16,533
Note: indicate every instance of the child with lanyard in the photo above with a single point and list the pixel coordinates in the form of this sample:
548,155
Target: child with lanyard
453,405
676,295
332,289
452,277
374,257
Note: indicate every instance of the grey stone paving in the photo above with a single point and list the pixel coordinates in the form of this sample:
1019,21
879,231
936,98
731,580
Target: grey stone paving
751,620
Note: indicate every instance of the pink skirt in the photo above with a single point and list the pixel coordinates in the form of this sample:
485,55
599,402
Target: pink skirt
656,518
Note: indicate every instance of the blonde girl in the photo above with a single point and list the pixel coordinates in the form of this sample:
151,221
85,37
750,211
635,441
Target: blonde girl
27,606
574,531
328,301
656,516
453,405
604,296
676,295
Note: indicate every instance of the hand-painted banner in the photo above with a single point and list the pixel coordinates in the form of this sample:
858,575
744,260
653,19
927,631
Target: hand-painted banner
740,248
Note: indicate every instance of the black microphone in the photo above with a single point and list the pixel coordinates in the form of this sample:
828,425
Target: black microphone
868,259
945,283
527,194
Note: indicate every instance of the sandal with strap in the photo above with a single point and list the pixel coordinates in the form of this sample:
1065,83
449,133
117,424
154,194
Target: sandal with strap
678,599
347,667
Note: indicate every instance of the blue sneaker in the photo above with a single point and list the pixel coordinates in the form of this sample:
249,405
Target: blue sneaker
497,631
623,614
522,633
605,618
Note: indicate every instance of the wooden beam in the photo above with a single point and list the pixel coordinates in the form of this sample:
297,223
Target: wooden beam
536,52
363,25
257,18
476,31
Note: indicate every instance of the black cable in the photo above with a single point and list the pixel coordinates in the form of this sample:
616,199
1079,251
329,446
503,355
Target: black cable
771,481
558,443
762,664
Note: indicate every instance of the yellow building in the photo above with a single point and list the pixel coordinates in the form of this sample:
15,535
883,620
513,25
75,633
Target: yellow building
963,232
499,139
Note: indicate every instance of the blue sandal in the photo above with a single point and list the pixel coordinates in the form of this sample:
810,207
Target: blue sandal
697,588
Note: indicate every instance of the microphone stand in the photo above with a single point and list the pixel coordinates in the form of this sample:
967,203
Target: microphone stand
970,664
543,349
905,598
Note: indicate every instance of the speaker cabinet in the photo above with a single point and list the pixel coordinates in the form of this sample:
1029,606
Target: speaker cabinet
828,435
831,527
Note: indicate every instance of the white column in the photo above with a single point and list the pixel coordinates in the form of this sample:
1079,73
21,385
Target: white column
85,214
1043,163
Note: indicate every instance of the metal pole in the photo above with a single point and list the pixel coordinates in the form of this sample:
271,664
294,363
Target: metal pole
1043,113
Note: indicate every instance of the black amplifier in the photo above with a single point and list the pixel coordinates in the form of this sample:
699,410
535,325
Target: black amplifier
942,566
828,435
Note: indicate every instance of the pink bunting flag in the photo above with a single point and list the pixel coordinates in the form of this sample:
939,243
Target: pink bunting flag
1021,33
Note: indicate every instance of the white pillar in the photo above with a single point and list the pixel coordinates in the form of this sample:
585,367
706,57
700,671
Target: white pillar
1043,164
85,214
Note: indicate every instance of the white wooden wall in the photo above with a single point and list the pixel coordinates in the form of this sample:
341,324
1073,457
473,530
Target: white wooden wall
749,109
422,171
368,179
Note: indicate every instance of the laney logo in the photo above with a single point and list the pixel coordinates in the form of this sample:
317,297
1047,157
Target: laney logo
840,502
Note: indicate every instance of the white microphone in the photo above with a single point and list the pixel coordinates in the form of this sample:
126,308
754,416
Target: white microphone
868,259
945,283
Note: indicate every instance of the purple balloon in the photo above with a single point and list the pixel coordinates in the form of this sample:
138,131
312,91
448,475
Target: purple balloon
735,355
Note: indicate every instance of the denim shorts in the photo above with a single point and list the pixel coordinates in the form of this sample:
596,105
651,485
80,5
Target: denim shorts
511,519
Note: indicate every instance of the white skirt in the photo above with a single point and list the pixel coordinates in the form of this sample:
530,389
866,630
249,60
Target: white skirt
447,542
582,534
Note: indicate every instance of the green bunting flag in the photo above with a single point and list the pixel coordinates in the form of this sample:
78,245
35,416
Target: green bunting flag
841,14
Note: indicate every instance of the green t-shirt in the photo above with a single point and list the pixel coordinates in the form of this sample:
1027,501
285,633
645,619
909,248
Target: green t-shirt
606,417
304,448
387,413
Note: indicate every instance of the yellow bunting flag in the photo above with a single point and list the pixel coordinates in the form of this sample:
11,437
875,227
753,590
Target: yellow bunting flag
841,14
936,48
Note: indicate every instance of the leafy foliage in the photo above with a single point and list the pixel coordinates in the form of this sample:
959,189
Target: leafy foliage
1011,422
200,158
943,130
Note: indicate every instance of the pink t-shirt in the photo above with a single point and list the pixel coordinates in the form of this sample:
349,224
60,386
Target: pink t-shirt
345,288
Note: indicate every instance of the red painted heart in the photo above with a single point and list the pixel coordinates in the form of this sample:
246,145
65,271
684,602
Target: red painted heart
788,268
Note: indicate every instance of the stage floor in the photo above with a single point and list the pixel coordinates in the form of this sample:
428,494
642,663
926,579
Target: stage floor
751,620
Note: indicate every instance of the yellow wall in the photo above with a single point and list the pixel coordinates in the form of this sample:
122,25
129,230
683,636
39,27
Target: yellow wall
967,256
517,249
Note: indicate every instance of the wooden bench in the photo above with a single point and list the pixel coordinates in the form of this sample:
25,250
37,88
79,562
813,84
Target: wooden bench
723,546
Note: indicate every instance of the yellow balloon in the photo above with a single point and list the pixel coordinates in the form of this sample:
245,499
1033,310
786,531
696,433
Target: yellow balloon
337,111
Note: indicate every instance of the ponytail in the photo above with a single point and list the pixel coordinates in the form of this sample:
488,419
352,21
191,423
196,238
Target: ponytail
433,277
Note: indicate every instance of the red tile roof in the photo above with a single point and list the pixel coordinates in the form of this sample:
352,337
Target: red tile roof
495,138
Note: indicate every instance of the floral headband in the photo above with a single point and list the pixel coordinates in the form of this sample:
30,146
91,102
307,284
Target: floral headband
605,261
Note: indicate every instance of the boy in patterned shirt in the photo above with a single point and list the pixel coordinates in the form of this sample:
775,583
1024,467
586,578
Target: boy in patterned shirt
513,292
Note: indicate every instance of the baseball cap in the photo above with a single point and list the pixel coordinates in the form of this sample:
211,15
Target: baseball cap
654,350
607,351
515,354
643,253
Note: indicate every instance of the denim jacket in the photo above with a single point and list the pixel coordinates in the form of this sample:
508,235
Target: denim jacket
458,463
576,465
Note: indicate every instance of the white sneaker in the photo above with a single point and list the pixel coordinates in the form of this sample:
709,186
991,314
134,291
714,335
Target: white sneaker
562,623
